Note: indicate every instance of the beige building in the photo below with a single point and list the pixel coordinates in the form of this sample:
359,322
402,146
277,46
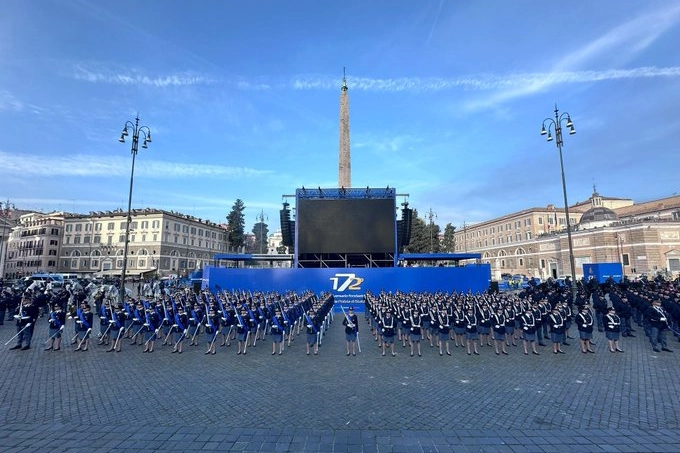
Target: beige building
160,243
34,244
644,237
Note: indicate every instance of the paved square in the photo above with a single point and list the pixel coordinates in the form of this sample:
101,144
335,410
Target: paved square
94,401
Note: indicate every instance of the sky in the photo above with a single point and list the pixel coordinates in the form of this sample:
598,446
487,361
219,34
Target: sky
446,99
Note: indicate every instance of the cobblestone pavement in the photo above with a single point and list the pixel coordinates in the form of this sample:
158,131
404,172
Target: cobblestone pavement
94,401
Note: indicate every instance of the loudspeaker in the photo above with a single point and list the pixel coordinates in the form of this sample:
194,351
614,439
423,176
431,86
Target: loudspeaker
286,231
493,287
407,218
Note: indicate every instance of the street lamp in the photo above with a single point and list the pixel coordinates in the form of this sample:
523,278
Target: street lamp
146,135
6,210
431,215
556,125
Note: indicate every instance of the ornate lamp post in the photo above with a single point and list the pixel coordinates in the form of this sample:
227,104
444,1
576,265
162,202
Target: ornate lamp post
556,126
146,135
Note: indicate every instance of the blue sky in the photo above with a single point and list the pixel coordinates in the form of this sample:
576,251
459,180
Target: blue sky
242,97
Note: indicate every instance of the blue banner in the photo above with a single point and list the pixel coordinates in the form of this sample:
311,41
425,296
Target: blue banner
349,285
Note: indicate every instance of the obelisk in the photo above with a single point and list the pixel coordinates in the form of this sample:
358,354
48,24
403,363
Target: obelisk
344,165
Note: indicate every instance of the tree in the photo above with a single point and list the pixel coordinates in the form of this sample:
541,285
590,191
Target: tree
236,225
449,241
261,232
420,239
424,236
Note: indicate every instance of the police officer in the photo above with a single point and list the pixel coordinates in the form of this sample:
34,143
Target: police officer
351,324
26,315
612,329
56,321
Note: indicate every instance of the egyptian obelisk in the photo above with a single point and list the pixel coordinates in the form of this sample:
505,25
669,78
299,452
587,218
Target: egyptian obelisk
344,165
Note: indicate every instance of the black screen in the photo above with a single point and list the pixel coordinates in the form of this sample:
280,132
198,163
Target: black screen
345,225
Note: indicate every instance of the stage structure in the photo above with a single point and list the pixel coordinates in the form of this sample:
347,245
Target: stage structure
347,241
345,228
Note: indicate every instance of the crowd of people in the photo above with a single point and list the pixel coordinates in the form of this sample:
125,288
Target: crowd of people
175,318
533,317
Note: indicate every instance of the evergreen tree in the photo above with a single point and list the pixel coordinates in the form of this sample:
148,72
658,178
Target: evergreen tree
261,232
420,239
424,236
449,240
236,225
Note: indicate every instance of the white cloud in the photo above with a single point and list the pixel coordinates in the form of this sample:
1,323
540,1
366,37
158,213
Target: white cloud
97,73
88,166
529,81
9,102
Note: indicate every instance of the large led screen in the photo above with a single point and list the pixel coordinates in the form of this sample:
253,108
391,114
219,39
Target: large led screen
345,225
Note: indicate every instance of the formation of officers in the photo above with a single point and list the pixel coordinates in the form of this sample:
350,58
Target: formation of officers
541,315
181,319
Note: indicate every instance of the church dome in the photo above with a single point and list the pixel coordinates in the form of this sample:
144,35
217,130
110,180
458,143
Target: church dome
597,216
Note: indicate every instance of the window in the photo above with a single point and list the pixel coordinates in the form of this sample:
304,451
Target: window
110,226
528,235
185,229
132,238
193,230
97,226
155,223
626,259
76,240
123,225
540,220
145,224
674,264
79,227
121,238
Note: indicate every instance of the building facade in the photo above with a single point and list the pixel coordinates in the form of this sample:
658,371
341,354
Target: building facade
161,243
643,237
34,244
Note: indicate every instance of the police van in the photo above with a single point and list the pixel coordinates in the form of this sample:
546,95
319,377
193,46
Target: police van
56,281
